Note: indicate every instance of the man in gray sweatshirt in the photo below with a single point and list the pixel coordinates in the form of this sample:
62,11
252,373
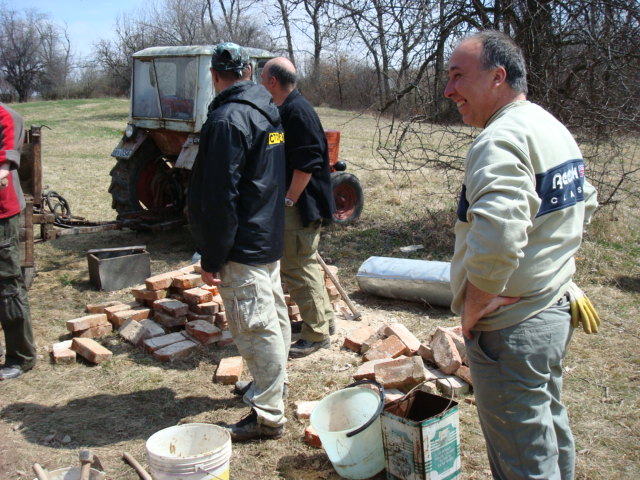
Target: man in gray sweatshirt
523,205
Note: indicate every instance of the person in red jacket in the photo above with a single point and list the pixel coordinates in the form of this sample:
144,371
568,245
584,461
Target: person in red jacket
14,303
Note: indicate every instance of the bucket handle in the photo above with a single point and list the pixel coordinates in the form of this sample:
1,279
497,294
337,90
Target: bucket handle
378,410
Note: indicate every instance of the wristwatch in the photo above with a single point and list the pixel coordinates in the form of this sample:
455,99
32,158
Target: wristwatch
288,202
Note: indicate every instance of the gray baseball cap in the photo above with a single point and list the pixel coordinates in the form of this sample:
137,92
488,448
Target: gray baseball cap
229,56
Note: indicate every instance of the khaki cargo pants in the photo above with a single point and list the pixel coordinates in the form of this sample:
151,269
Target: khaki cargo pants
259,323
15,317
304,279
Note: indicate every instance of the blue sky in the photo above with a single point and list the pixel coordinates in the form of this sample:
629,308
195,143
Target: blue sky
87,20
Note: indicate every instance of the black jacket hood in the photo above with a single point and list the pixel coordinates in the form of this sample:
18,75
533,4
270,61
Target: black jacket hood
249,93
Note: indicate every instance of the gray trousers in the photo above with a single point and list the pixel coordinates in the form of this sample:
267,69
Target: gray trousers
15,316
259,323
517,379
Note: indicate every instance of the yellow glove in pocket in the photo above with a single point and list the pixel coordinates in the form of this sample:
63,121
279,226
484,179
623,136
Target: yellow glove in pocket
582,310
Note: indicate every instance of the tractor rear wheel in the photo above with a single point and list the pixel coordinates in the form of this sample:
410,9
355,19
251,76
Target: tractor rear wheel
348,196
146,183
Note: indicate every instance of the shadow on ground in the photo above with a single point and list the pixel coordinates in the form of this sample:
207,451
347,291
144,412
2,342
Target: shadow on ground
104,419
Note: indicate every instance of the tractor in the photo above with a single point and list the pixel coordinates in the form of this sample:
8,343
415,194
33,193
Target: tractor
170,94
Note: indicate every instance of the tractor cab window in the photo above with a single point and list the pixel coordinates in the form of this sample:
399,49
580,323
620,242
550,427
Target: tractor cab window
165,87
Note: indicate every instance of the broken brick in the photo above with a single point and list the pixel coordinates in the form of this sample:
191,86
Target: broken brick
464,373
229,370
304,408
391,347
118,318
204,332
355,338
445,352
405,336
62,353
404,373
151,329
95,332
144,294
132,331
206,308
91,350
366,369
311,437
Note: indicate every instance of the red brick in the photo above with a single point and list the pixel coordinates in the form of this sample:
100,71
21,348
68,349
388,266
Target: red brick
132,331
373,341
445,352
304,408
118,318
311,437
195,296
211,288
403,373
95,332
226,339
365,370
464,373
218,300
86,322
221,321
172,307
391,347
99,307
405,336
229,370
392,394
187,281
189,269
110,311
160,282
91,350
167,321
196,316
456,335
355,338
175,351
206,308
142,294
155,343
204,332
62,353
426,353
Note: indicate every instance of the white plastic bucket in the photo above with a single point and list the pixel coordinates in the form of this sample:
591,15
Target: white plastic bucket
348,424
193,451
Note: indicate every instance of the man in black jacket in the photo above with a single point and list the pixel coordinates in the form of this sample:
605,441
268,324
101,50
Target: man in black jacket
236,211
309,203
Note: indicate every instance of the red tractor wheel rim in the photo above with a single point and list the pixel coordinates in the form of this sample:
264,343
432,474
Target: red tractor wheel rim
153,187
346,199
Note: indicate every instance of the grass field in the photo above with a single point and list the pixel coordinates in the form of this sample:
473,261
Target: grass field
49,414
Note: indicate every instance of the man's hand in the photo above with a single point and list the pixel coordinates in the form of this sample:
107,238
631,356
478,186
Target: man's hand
479,304
4,173
210,278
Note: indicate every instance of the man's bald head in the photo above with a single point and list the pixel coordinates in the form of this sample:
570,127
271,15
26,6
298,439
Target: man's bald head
279,78
283,70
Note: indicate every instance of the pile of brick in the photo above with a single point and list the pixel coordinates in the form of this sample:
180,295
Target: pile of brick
171,314
396,359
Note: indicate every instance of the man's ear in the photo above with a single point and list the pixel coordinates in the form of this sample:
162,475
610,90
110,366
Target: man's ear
499,76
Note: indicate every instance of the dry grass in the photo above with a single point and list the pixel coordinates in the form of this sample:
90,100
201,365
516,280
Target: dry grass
115,407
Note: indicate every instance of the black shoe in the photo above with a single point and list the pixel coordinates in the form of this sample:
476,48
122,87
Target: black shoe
242,386
302,348
249,429
7,373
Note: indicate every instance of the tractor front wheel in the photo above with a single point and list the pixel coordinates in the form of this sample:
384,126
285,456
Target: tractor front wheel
348,196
